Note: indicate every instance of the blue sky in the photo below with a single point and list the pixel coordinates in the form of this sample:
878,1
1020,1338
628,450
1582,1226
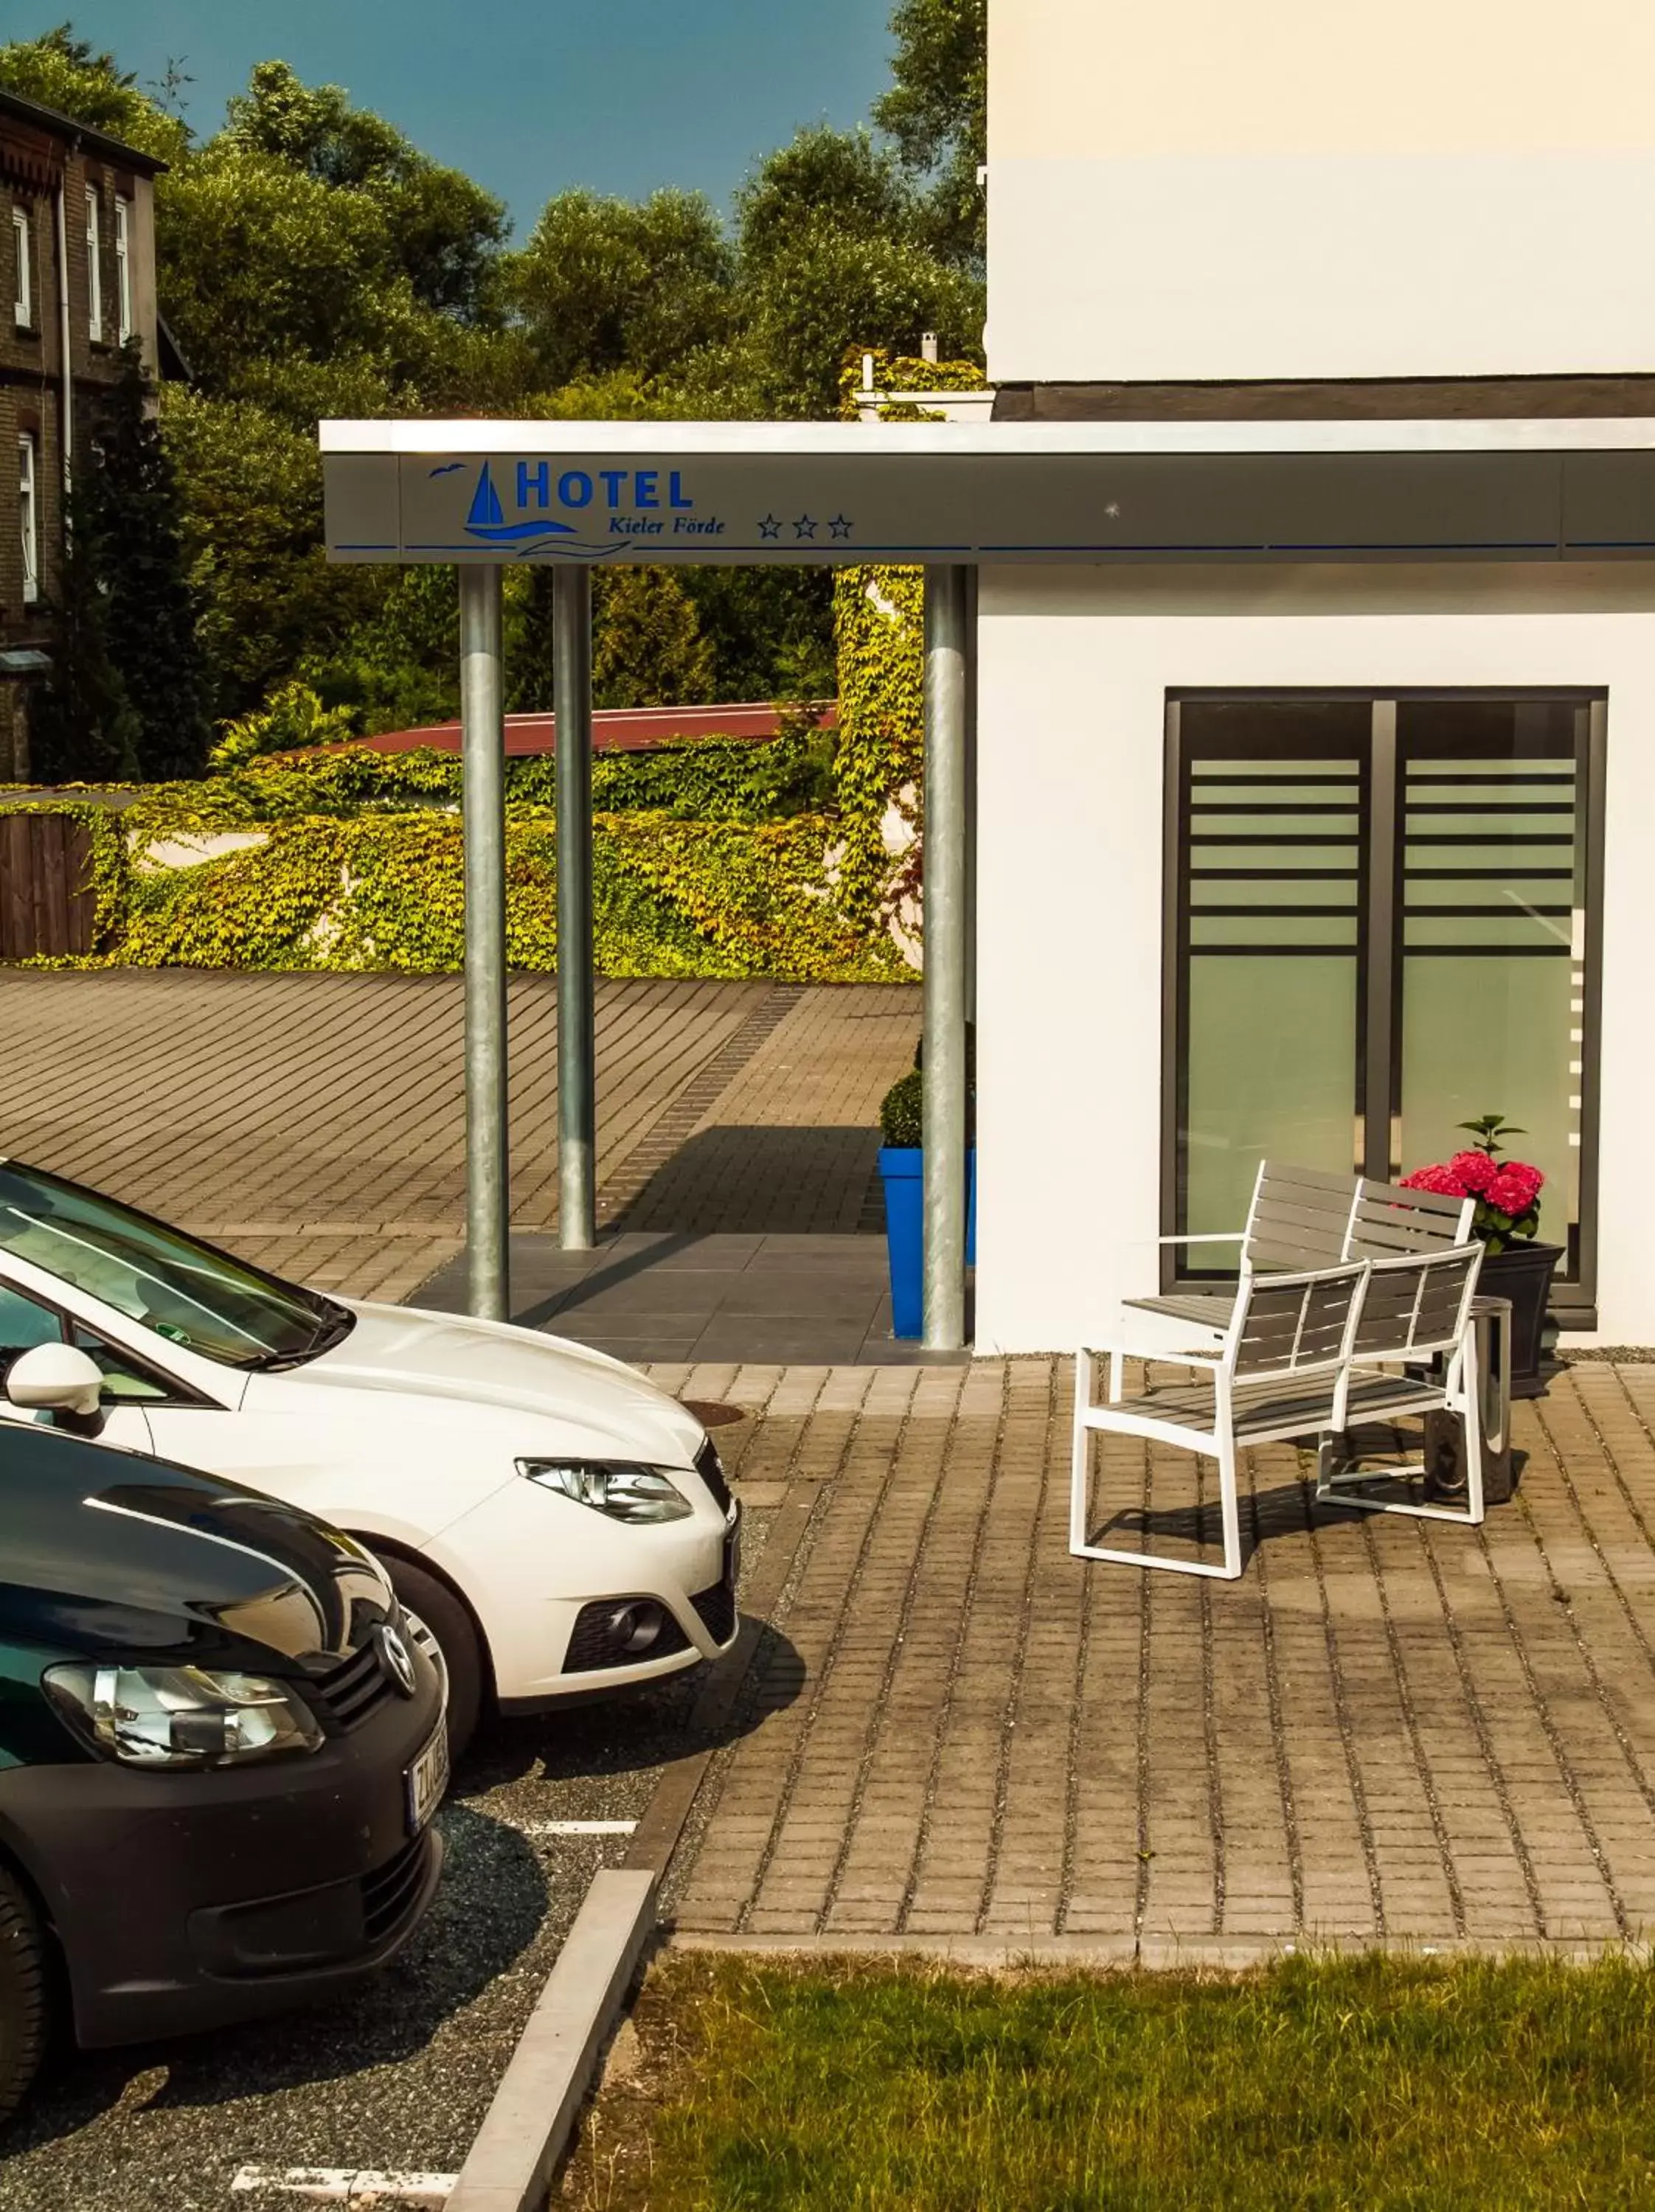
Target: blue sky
529,96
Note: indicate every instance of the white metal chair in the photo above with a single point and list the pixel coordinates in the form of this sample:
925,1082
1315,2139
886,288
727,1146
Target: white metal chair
1416,1316
1284,1371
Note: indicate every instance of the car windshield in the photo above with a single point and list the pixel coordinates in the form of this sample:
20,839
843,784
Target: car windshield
184,1292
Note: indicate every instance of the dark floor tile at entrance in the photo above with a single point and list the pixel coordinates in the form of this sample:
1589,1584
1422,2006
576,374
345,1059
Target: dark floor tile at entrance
766,1299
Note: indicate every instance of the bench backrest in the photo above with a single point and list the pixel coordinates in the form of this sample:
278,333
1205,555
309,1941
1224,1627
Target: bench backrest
1287,1325
1417,1306
1389,1221
1299,1217
1304,1217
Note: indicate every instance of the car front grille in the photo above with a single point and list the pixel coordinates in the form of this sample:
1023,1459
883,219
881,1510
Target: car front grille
717,1608
710,1468
354,1691
391,1893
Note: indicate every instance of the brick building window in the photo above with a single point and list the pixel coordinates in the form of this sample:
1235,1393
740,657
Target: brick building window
22,268
94,267
123,273
29,516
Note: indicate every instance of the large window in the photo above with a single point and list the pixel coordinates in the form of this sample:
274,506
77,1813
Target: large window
1382,919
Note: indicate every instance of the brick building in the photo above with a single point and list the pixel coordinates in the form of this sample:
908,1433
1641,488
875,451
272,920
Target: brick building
77,265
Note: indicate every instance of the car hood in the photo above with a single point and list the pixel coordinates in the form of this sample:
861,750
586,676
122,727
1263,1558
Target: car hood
596,1403
108,1551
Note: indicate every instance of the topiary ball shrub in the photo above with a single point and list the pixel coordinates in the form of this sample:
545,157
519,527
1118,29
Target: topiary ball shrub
901,1110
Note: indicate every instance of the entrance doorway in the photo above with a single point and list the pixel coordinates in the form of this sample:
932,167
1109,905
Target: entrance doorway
1382,923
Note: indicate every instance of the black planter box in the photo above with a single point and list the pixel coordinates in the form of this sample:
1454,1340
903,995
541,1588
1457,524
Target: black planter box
1523,1274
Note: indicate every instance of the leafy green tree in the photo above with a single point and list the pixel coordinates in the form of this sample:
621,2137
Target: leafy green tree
81,727
445,233
607,284
134,516
937,112
127,695
291,720
251,485
646,646
62,71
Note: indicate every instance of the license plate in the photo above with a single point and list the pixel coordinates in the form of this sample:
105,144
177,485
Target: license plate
425,1781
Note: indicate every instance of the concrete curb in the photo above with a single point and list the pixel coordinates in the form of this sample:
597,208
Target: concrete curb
534,2109
1154,1954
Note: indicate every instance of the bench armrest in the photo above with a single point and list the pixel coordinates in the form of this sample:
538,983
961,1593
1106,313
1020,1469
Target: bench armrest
1155,1353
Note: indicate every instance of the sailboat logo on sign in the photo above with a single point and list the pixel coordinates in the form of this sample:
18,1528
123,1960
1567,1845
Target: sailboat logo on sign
487,520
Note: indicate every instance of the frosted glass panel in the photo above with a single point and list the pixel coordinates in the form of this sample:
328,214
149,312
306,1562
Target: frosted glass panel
1494,934
1272,884
1272,1052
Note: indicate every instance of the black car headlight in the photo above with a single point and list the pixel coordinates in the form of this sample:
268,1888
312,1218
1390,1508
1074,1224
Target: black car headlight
618,1488
181,1716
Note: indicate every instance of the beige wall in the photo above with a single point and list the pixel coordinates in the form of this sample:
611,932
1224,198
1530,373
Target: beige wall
1208,189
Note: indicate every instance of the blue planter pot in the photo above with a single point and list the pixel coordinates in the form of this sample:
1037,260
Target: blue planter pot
901,1168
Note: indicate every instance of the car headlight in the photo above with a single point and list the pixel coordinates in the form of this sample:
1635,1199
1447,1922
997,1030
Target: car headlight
181,1715
616,1487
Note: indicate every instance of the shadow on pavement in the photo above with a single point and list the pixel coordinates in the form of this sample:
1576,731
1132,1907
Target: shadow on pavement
488,1907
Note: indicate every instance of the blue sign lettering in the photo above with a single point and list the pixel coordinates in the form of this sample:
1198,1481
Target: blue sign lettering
644,487
538,481
675,487
575,489
614,478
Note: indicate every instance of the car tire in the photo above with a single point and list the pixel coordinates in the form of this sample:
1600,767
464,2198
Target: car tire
456,1631
22,1993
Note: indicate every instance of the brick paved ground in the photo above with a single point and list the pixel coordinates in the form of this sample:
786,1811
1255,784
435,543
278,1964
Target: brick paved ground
316,1122
1388,1729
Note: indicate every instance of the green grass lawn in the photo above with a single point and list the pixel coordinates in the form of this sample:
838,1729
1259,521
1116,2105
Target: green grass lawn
1363,2083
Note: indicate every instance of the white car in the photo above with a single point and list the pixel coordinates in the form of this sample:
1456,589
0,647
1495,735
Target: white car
560,1523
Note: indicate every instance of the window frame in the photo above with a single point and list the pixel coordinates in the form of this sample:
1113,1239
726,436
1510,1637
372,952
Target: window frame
22,239
28,513
94,264
1379,978
122,268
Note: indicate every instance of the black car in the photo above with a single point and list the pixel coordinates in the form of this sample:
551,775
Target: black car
221,1747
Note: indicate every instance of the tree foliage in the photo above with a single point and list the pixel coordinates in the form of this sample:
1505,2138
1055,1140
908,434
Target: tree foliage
937,113
128,693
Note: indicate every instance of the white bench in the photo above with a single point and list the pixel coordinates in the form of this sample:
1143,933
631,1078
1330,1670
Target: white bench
1304,1356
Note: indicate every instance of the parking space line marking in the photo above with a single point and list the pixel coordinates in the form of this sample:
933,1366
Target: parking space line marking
355,2187
577,1828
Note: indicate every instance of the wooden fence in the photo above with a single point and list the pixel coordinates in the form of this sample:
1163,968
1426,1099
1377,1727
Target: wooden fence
46,904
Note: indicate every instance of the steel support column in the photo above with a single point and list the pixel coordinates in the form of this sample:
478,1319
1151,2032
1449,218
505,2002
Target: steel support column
577,1089
487,1170
947,928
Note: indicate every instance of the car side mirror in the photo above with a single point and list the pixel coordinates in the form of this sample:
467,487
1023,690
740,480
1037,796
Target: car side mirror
57,1378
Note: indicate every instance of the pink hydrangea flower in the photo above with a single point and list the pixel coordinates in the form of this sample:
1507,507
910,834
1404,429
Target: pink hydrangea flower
1475,1171
1513,1190
1441,1180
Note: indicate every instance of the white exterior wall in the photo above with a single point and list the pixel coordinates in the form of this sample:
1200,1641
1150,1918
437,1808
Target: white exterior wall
1074,670
1209,189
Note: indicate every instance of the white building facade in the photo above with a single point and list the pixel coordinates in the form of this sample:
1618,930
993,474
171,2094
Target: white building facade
1312,859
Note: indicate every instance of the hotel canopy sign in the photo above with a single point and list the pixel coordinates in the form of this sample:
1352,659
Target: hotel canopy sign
735,493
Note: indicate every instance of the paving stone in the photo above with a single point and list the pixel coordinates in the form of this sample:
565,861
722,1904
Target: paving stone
1388,1731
